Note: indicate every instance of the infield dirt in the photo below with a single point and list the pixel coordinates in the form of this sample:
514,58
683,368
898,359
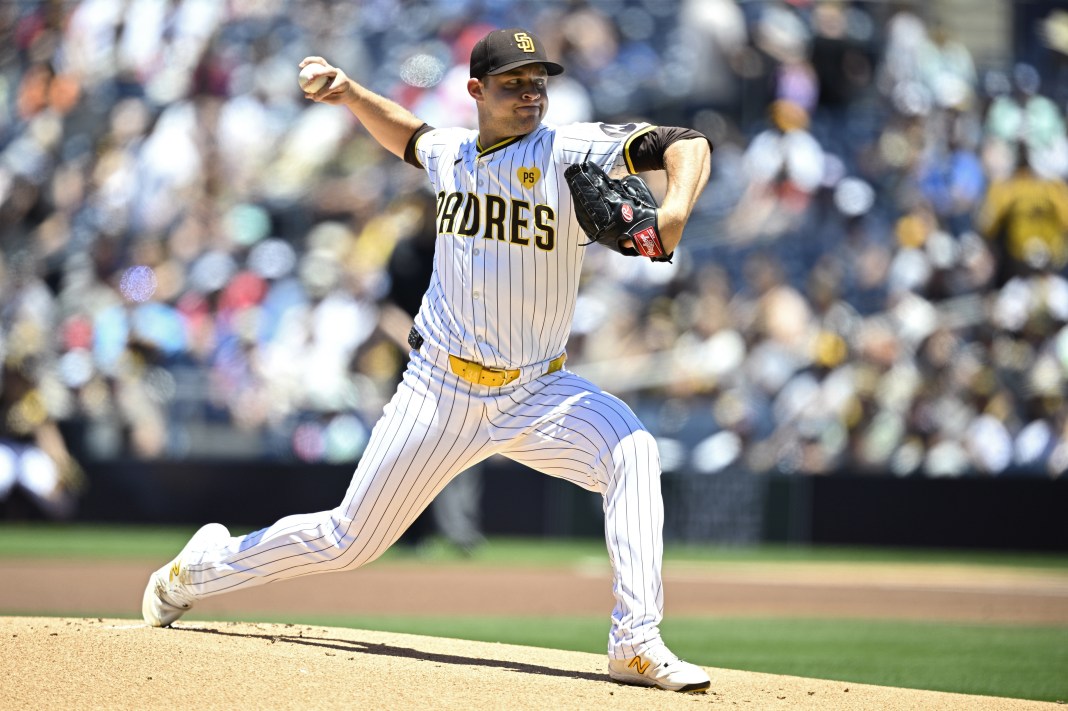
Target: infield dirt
876,591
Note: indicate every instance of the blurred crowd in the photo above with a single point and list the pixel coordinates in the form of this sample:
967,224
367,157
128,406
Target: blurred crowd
197,262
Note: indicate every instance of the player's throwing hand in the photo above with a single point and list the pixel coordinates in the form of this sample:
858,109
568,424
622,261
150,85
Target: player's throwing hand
322,81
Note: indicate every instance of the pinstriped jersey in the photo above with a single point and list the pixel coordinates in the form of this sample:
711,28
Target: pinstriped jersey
509,249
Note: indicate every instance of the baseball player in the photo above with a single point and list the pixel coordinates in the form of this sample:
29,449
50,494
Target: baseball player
486,372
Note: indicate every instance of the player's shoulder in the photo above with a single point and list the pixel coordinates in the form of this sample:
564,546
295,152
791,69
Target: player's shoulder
602,143
438,140
608,132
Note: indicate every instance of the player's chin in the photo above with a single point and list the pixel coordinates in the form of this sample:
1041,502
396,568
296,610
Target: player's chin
525,122
529,113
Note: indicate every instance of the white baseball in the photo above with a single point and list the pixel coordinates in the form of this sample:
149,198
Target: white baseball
309,83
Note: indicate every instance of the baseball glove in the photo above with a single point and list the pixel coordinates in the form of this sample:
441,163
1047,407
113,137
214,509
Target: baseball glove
611,211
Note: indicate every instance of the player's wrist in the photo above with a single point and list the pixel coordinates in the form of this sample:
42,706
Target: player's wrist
353,94
671,218
670,223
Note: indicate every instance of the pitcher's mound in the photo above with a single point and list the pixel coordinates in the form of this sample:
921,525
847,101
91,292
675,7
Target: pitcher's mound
111,663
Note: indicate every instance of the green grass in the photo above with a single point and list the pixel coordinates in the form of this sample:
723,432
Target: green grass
990,660
110,542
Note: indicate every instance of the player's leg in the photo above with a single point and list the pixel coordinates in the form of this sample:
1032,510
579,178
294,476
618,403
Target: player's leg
566,427
429,432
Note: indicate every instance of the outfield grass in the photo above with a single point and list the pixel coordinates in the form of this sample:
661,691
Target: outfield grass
152,542
997,660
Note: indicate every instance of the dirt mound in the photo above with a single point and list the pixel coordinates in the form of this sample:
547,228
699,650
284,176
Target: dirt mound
113,663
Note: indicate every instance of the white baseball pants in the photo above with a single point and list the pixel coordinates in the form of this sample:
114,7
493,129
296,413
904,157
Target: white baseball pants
436,426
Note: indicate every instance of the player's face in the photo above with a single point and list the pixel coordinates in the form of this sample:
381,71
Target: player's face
512,103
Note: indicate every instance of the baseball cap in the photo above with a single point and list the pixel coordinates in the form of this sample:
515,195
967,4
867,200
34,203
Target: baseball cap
503,50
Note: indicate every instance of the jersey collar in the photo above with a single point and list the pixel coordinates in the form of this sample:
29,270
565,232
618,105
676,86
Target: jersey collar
496,146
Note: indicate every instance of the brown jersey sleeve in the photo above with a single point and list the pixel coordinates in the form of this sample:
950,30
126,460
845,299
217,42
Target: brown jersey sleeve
646,151
410,155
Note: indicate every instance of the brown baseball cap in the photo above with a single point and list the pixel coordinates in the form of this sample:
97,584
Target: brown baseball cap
503,50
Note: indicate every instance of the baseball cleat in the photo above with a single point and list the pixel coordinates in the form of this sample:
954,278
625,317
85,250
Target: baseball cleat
166,597
657,666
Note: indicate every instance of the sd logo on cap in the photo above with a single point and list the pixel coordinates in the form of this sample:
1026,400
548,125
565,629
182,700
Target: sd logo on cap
503,50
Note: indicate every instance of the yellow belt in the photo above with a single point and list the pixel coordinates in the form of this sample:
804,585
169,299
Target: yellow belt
495,377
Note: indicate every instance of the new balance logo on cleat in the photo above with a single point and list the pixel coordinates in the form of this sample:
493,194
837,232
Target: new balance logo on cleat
637,663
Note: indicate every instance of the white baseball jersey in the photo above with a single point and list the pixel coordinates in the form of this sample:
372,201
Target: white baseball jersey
503,294
509,248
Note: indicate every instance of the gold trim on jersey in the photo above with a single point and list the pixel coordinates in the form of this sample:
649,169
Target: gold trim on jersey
415,149
626,147
496,146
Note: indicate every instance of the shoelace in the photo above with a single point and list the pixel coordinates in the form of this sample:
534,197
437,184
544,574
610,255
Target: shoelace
660,656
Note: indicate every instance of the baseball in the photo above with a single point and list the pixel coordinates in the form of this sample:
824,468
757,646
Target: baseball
310,83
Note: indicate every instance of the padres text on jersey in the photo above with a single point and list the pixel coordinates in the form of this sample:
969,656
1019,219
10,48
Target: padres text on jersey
496,217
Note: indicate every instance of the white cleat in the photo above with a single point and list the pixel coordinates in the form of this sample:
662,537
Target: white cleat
657,666
166,597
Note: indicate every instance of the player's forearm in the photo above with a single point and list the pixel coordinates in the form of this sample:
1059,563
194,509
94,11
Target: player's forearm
388,122
687,165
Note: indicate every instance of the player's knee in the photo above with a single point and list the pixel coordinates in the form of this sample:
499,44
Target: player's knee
635,455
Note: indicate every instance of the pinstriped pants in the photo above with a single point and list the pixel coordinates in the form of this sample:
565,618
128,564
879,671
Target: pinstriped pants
436,426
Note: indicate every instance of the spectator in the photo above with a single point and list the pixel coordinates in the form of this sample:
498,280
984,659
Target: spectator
784,165
39,478
1025,119
950,176
1026,219
947,68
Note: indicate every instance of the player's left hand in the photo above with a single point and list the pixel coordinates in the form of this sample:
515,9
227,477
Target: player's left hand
620,214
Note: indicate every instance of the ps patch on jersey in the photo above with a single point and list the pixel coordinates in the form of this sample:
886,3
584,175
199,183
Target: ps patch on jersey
528,177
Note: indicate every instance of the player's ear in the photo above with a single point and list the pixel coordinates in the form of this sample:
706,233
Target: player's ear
476,89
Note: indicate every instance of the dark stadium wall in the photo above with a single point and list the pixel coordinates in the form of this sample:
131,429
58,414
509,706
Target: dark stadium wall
1007,513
